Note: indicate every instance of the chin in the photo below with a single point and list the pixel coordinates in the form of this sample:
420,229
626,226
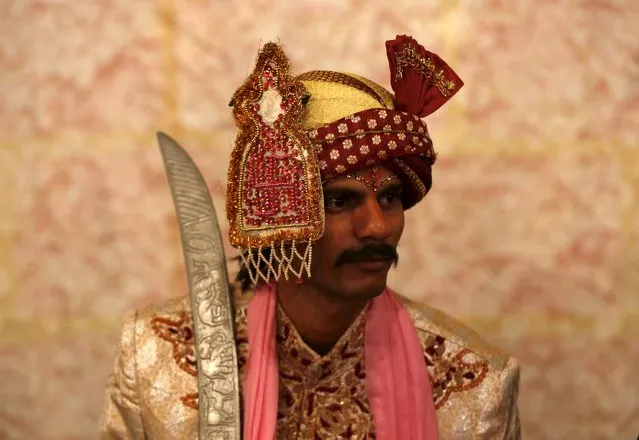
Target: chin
368,289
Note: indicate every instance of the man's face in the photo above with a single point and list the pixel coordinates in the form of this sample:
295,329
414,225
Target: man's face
364,220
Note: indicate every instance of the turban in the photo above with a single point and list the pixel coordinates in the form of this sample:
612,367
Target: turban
296,132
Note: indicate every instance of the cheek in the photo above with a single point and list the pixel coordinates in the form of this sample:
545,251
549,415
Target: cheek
335,239
398,225
323,258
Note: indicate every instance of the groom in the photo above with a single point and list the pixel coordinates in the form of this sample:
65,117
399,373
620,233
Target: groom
324,166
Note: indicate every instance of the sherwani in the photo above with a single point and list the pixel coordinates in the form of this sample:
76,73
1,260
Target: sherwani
152,392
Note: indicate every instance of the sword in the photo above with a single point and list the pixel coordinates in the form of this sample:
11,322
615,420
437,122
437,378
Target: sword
211,303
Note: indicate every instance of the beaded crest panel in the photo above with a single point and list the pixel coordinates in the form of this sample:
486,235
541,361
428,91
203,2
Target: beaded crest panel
274,187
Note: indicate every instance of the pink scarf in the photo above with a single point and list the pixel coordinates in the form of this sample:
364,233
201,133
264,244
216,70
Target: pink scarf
397,383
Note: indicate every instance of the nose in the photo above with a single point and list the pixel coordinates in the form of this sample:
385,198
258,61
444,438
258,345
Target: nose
371,222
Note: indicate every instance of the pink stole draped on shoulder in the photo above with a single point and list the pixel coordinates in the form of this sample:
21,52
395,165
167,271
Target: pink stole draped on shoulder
397,381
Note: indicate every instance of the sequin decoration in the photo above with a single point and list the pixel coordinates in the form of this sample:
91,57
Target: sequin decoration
374,179
412,176
274,189
410,57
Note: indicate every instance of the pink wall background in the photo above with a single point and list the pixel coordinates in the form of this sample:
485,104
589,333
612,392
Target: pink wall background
531,233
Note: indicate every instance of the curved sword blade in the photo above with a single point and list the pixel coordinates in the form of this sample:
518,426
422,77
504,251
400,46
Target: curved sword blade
211,302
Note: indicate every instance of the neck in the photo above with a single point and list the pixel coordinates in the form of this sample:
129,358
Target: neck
319,317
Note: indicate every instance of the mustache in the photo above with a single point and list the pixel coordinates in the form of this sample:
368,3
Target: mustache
369,251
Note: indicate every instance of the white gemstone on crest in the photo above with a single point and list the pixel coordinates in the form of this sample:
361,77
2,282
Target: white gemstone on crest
270,106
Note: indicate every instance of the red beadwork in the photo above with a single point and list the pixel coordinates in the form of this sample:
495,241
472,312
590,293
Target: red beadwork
273,173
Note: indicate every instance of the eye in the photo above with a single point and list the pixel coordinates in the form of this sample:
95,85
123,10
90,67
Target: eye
391,199
337,203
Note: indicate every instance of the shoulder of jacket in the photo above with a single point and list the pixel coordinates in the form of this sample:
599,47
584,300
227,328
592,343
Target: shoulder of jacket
181,306
171,306
431,321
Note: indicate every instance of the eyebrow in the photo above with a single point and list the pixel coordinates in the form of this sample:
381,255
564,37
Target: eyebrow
344,191
338,190
391,187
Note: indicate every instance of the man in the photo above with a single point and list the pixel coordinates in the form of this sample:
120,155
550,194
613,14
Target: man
324,166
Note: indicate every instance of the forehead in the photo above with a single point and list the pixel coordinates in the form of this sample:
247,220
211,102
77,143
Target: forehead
374,178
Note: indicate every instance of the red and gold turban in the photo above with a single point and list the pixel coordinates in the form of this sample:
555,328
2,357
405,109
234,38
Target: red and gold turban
356,123
297,132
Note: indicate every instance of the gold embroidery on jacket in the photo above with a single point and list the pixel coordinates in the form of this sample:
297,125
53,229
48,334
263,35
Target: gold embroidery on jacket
190,400
451,371
322,397
179,332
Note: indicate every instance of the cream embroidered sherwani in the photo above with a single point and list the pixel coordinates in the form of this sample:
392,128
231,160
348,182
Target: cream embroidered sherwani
152,391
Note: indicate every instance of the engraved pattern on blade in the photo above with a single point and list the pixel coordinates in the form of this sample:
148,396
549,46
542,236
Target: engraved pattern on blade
212,309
